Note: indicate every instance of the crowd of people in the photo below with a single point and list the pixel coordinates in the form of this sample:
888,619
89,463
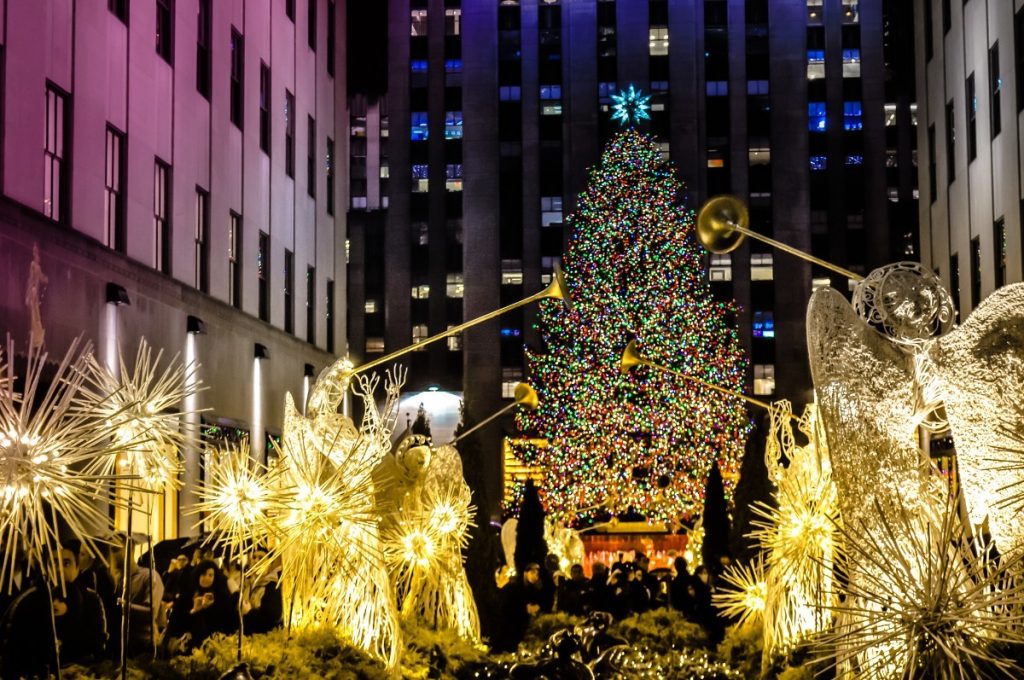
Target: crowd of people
624,589
169,612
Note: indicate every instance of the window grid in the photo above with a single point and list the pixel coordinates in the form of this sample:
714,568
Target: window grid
289,134
263,275
114,204
161,216
234,258
54,177
289,304
264,108
311,305
202,244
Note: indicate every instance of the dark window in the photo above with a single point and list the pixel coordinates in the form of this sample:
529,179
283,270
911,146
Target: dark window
954,282
972,119
237,77
330,316
263,276
234,260
950,142
311,305
203,49
202,240
929,47
330,37
311,25
289,9
165,29
264,108
119,8
1018,51
289,133
330,176
932,163
999,242
311,156
55,177
947,16
289,305
975,271
114,196
162,216
995,88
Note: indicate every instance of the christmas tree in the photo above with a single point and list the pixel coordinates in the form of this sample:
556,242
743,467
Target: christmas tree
644,439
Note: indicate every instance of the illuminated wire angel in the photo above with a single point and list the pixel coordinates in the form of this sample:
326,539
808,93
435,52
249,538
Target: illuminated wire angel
797,533
328,540
424,537
48,435
143,411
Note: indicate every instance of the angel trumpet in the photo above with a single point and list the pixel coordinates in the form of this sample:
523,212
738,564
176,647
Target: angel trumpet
557,289
631,358
525,396
723,223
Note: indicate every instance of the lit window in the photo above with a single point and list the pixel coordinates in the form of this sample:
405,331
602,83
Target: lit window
454,341
816,117
453,21
717,88
420,178
855,160
419,333
421,292
453,125
420,233
757,87
659,86
819,162
764,325
370,307
418,21
605,91
851,12
721,268
454,287
418,132
851,63
818,284
511,272
815,64
852,116
759,156
716,162
764,379
547,268
551,110
761,267
510,377
510,93
890,115
453,177
550,210
663,150
658,43
374,345
418,65
511,332
453,66
550,91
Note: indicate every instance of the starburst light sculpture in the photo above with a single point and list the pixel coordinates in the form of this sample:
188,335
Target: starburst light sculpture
630,106
48,436
745,593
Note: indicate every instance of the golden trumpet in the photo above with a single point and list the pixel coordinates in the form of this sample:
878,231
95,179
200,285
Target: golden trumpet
556,289
723,222
525,396
631,358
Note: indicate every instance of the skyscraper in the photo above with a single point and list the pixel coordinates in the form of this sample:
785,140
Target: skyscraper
495,109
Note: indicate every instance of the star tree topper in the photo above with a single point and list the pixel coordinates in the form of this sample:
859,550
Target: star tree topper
630,106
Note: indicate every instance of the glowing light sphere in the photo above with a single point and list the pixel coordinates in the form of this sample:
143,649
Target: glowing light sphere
745,593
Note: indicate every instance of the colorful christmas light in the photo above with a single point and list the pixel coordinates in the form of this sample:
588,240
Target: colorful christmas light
635,270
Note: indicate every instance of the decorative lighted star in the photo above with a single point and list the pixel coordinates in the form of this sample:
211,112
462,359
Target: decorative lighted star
630,106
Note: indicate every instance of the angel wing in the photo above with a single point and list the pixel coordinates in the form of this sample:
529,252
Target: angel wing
980,376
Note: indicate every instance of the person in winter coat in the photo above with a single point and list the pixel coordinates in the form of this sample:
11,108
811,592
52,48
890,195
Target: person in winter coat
204,608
